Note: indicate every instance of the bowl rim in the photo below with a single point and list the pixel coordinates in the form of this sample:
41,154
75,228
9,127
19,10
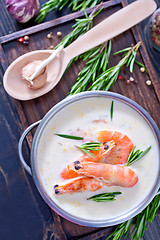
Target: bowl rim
71,99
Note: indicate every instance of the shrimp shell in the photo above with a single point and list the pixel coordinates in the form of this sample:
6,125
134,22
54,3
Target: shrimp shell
112,174
79,185
123,146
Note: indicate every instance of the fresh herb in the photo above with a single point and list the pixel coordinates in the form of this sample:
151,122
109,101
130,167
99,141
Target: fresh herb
142,221
109,77
90,146
51,5
122,229
104,197
69,136
111,111
141,65
132,58
83,4
80,27
134,156
97,62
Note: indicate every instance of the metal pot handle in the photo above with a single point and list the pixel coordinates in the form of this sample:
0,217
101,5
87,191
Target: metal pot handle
26,167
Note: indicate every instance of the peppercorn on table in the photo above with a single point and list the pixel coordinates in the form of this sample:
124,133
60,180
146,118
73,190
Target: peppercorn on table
23,212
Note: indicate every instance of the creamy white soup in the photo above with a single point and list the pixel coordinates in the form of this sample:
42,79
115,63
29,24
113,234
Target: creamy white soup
55,153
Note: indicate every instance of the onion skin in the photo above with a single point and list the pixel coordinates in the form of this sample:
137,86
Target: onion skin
23,10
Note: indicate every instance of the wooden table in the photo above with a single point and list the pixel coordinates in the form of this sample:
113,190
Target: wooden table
23,213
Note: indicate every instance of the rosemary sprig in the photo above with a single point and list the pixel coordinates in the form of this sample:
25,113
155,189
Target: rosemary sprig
143,218
89,146
132,58
79,28
69,136
97,62
142,222
104,197
122,229
51,5
111,111
81,4
134,156
109,77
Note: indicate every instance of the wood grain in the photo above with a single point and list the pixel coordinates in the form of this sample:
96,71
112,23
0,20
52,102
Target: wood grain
33,110
54,22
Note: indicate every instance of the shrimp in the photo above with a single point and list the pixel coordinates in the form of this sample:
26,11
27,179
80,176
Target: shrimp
79,185
100,154
123,146
112,174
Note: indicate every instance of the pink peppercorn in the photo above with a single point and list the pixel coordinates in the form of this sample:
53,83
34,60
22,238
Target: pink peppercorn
128,82
119,77
21,40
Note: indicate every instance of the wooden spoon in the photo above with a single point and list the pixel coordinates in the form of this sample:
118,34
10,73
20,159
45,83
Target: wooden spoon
112,26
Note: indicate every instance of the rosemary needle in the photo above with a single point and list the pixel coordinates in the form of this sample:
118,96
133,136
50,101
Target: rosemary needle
69,136
90,146
51,5
111,111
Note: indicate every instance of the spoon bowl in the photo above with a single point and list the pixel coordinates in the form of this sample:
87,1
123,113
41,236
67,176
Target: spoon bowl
13,75
112,26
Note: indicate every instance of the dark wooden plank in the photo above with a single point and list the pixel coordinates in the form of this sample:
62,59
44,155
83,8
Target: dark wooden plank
147,62
22,210
31,111
57,222
54,22
35,109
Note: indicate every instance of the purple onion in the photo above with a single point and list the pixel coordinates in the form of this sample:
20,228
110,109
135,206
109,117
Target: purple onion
23,10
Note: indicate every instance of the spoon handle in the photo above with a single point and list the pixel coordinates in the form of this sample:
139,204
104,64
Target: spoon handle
112,26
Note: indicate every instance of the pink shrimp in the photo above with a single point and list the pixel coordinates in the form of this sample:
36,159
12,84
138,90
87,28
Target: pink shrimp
113,174
99,156
123,146
79,185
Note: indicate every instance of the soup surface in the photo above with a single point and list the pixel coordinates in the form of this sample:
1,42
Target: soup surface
54,153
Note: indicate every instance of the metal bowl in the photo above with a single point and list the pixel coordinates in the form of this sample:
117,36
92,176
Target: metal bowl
39,132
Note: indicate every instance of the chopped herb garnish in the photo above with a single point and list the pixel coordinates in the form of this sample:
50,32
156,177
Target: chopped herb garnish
69,136
90,146
134,156
111,111
104,197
